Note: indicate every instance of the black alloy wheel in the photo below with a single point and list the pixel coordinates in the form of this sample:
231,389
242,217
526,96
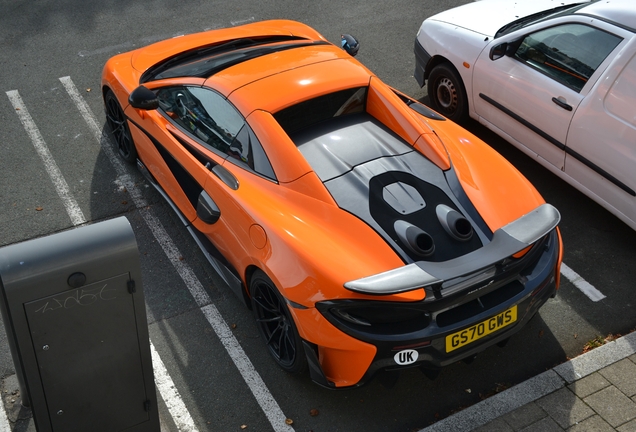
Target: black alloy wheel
447,94
119,128
276,324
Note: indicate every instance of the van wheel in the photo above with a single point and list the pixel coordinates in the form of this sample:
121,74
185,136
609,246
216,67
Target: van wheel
447,93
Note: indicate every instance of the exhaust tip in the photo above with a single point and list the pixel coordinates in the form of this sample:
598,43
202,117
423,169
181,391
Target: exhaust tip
456,225
415,239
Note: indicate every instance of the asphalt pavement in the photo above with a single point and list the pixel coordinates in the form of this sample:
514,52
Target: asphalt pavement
210,370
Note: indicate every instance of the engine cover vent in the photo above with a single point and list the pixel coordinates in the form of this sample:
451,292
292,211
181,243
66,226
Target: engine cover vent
403,198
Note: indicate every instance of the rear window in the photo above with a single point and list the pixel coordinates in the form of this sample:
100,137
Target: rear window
313,111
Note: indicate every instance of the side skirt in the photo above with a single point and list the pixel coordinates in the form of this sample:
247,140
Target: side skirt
218,262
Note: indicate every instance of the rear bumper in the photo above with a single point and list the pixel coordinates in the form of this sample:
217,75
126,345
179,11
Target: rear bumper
422,57
527,289
434,356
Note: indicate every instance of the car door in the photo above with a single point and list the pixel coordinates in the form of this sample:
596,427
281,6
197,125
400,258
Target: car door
220,149
601,144
531,93
166,151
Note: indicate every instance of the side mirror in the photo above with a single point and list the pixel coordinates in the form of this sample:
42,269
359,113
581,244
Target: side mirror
349,44
505,49
142,98
498,51
207,210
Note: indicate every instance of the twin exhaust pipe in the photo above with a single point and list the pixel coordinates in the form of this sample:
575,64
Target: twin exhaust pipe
421,243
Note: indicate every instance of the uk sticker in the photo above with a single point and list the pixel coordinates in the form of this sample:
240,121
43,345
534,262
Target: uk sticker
406,357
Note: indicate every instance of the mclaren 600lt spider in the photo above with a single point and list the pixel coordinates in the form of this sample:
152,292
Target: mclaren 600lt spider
365,231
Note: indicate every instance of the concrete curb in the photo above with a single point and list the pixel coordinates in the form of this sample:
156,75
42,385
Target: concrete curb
537,387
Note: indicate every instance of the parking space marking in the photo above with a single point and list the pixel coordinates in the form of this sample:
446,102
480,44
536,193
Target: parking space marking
87,114
119,48
70,204
585,287
258,387
243,21
129,45
4,421
170,395
256,384
246,368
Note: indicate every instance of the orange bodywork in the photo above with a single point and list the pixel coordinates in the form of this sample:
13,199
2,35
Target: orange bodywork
344,359
292,229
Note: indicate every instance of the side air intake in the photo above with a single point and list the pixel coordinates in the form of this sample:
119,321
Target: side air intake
456,225
417,240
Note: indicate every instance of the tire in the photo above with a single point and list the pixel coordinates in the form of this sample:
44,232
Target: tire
276,324
447,93
118,125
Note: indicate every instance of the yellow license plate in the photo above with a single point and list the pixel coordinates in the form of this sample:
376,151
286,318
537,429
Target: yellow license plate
478,331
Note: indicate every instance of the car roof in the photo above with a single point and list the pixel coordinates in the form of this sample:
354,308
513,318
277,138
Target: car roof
234,77
269,82
619,12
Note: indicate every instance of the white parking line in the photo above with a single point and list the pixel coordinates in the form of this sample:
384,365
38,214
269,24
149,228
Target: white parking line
4,421
243,21
244,365
260,391
585,287
126,46
170,395
87,114
72,208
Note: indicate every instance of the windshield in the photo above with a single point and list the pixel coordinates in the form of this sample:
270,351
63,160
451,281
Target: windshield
539,16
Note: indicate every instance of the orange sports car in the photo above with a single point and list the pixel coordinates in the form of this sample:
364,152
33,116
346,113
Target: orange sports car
365,231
